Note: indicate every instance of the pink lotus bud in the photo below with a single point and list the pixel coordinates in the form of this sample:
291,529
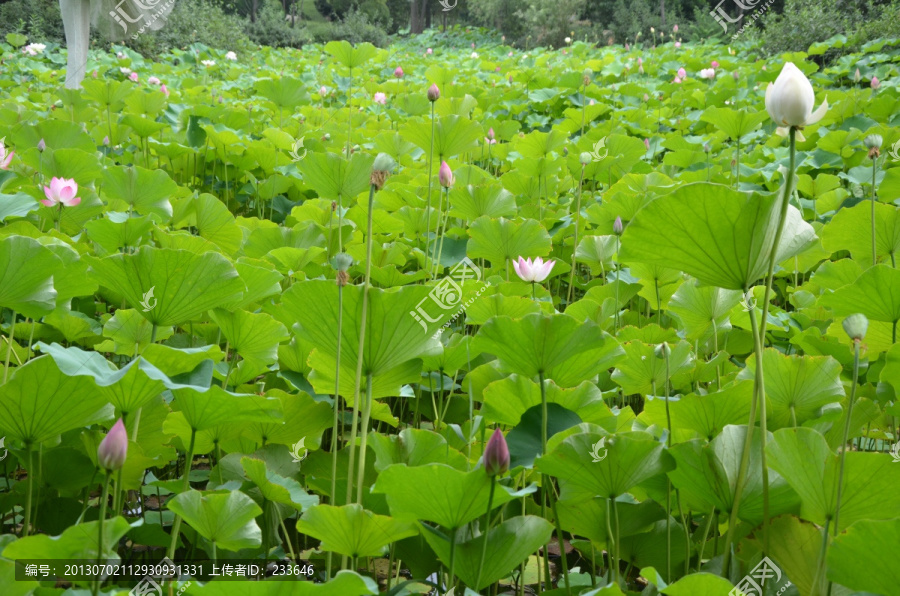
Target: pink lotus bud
323,91
113,449
875,83
445,175
646,97
473,45
856,76
618,227
164,90
433,93
398,72
647,144
677,44
429,51
682,73
675,28
677,81
496,454
106,141
133,76
640,60
714,64
94,75
42,146
491,133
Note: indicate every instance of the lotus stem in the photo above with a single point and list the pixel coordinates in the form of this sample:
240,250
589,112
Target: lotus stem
577,223
366,414
487,526
361,348
29,492
185,486
9,345
428,204
874,199
104,497
840,485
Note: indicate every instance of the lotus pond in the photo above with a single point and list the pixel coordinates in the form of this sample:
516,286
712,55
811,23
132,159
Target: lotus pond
588,320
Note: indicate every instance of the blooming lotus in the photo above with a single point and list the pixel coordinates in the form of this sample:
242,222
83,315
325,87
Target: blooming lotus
208,63
379,98
133,76
708,73
429,51
474,55
61,191
231,56
790,100
5,156
534,271
153,81
33,49
677,44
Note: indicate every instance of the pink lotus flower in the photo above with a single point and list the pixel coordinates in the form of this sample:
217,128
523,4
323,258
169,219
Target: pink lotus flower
5,156
875,83
677,81
323,91
675,28
647,144
491,133
618,226
398,72
61,191
428,51
106,141
708,73
133,76
153,81
496,454
433,93
473,45
113,449
682,73
510,54
714,64
536,271
677,44
164,90
445,175
640,61
379,98
627,47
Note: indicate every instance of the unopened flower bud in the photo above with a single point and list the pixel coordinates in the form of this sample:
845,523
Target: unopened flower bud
433,93
585,158
113,449
42,146
496,454
618,227
856,326
662,350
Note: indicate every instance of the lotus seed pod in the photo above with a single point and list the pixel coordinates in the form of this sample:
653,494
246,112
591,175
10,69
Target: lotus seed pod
584,158
856,325
383,163
341,261
873,141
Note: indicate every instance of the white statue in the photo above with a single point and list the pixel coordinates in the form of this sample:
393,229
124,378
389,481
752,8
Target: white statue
115,19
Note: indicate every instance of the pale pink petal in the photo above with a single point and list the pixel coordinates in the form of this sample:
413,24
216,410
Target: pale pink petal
71,202
47,202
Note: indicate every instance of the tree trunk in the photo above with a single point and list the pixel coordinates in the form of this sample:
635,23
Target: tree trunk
254,6
76,15
426,10
662,13
413,16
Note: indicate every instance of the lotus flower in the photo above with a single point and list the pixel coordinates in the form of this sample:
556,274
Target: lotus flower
790,100
736,75
5,156
153,81
323,91
33,49
856,76
164,90
113,449
682,73
875,83
133,76
398,72
474,55
429,51
61,191
647,144
677,44
208,63
677,80
231,56
568,40
714,64
125,70
618,227
708,73
41,146
675,28
433,93
445,175
106,140
536,271
496,454
379,98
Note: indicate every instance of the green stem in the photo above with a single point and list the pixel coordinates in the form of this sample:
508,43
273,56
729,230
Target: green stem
360,348
29,491
214,557
9,345
615,509
577,223
709,521
485,529
840,486
349,110
104,497
874,199
442,233
337,409
428,204
185,486
367,412
452,568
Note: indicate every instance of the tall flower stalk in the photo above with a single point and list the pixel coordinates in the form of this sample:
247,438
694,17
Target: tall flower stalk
790,101
433,95
873,143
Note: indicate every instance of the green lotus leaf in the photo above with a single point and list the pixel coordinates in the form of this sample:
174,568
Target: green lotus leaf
225,518
352,531
720,236
876,294
184,285
852,563
26,276
144,191
502,240
277,488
